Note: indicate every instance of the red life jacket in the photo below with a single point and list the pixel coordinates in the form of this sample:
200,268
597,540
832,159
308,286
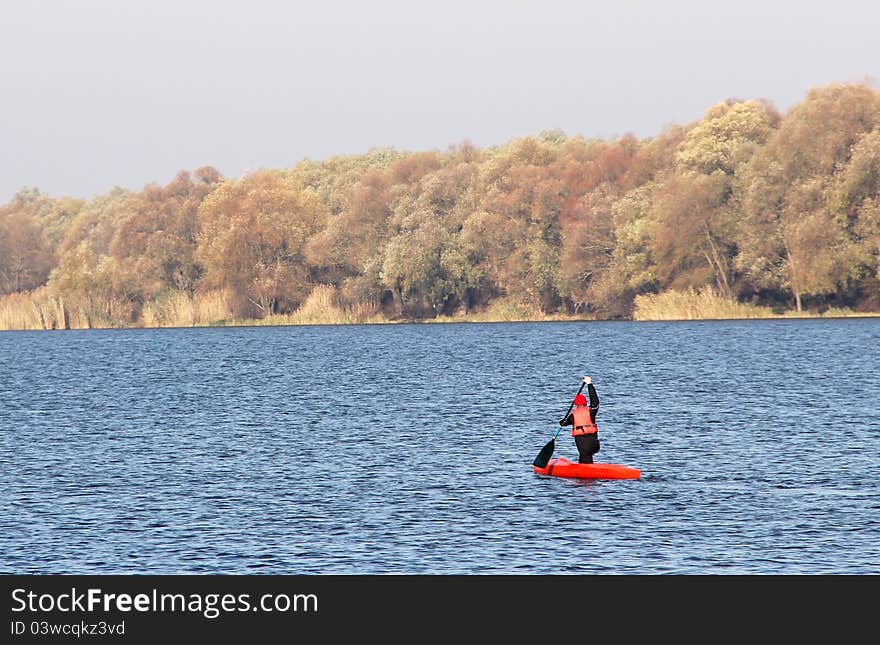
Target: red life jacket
581,421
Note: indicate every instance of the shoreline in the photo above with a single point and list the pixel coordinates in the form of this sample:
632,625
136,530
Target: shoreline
473,319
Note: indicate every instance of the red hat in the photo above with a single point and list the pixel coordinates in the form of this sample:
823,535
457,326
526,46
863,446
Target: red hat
580,399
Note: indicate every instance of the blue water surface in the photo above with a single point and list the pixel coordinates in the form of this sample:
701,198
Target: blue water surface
383,449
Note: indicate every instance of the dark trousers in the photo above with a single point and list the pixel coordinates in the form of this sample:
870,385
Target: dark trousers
587,445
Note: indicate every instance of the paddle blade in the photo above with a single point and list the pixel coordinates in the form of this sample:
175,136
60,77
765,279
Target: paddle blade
543,457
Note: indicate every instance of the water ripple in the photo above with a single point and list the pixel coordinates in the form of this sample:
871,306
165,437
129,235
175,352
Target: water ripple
408,448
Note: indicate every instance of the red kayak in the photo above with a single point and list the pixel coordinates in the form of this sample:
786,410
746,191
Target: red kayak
562,467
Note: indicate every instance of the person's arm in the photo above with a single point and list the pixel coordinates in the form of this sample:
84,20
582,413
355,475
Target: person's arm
567,420
594,401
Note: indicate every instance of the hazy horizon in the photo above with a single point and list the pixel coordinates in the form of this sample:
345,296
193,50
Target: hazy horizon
100,94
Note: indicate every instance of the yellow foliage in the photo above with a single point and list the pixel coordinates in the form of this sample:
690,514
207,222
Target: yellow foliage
725,136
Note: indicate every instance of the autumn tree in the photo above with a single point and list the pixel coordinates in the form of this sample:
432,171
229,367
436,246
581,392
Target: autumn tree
727,137
252,234
696,204
516,187
27,254
790,239
86,276
413,268
630,270
855,204
335,179
594,176
768,207
587,250
489,242
426,263
155,243
354,236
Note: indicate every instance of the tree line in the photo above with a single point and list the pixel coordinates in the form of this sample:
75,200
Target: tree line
766,208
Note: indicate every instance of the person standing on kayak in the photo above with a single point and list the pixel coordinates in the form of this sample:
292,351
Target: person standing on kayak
582,419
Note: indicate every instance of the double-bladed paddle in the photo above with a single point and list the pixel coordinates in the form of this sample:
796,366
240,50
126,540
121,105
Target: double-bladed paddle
543,457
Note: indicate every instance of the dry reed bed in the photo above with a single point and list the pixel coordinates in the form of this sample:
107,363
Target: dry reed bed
41,309
708,304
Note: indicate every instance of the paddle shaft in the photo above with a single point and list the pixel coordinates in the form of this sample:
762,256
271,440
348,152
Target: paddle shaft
581,389
544,456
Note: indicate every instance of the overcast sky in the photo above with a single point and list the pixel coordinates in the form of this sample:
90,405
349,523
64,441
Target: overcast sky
103,93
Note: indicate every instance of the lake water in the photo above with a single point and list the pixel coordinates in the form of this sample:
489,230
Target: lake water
408,449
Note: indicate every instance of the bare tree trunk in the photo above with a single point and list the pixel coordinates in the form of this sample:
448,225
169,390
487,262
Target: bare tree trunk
719,266
63,316
794,289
